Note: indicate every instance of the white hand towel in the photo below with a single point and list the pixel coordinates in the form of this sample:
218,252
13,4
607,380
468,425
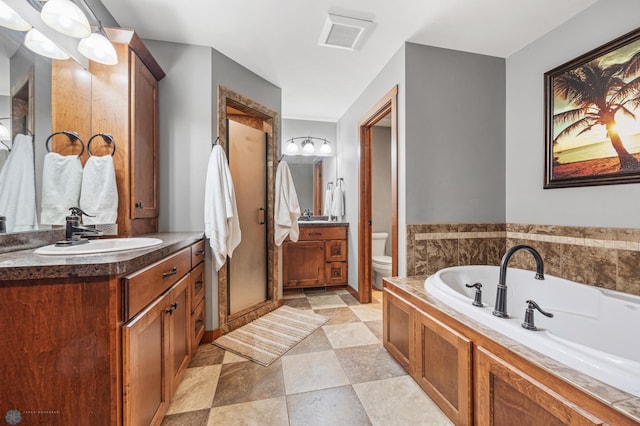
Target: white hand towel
287,209
99,193
337,204
221,222
61,181
327,202
18,187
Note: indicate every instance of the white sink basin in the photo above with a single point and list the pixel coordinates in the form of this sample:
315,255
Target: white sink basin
100,246
313,221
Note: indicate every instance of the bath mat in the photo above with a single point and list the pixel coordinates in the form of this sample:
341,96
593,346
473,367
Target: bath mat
267,338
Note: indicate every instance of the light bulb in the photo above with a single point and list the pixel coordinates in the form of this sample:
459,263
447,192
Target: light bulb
99,49
308,147
40,44
66,18
325,148
10,19
292,147
4,133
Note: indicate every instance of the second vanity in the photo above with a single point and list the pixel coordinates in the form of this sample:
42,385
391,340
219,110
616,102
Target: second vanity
100,339
319,257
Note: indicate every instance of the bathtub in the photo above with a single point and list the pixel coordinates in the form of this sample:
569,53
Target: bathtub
594,331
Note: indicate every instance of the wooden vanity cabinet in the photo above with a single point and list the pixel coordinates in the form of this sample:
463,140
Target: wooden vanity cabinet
197,304
318,258
397,333
122,100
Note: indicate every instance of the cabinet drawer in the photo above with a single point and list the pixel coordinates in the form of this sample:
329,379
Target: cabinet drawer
335,251
197,286
308,233
335,273
142,287
197,253
197,326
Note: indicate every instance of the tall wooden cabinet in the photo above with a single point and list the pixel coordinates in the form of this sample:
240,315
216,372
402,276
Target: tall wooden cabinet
121,100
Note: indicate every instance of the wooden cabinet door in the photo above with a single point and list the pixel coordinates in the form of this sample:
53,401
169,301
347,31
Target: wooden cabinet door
303,263
145,397
398,318
178,316
503,393
443,367
144,141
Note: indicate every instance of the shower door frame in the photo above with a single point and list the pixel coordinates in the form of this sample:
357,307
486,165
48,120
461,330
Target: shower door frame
262,118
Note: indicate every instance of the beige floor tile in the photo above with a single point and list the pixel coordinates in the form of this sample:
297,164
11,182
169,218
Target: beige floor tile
247,381
337,315
349,299
315,342
375,327
368,363
336,407
341,291
230,358
347,335
190,418
326,301
368,312
312,371
196,390
298,303
399,401
272,412
293,294
207,354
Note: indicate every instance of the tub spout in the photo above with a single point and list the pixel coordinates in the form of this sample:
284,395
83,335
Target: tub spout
501,296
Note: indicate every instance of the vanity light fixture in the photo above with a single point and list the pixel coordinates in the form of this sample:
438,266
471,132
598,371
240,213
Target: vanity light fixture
5,135
98,48
66,18
10,19
38,43
308,147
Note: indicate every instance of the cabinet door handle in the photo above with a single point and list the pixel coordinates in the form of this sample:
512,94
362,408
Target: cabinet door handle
336,273
173,271
261,216
140,205
315,233
199,252
174,305
198,285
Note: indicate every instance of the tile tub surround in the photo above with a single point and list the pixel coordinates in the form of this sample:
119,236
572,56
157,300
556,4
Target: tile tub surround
327,379
622,402
602,257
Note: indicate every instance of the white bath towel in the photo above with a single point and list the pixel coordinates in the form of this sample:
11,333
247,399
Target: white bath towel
287,209
327,202
221,222
99,193
337,204
61,180
17,187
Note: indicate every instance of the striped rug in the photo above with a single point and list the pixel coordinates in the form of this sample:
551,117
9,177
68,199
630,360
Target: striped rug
267,338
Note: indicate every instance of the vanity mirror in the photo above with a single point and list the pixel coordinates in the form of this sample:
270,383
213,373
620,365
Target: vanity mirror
311,176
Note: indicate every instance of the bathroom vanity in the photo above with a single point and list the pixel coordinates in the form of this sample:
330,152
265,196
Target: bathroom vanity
479,376
319,257
100,339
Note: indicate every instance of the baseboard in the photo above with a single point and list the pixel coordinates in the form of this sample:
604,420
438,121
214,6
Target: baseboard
353,292
210,335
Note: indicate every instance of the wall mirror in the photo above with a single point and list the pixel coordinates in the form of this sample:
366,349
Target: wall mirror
312,175
25,98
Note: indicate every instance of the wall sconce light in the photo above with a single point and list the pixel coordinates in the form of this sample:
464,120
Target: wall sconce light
10,19
98,48
308,146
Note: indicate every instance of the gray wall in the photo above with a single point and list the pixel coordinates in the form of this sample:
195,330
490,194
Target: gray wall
391,75
188,125
527,202
381,181
455,117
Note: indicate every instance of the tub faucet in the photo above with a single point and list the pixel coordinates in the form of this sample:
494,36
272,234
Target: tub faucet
501,296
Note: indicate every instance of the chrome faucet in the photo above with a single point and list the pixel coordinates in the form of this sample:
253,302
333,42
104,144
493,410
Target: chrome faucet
501,296
74,231
307,214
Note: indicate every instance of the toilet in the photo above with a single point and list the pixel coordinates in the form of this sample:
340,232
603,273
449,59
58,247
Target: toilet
381,264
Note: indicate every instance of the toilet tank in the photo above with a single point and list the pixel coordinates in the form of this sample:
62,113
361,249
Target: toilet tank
378,243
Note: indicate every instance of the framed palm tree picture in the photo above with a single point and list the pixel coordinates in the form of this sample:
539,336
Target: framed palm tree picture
592,117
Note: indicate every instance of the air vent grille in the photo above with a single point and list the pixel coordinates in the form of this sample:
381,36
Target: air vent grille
343,32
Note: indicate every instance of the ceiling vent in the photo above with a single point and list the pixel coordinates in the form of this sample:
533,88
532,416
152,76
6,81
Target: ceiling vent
343,32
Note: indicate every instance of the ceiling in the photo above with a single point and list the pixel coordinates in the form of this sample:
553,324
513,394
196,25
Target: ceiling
277,39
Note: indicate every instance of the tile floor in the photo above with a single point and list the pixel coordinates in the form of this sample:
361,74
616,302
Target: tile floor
339,375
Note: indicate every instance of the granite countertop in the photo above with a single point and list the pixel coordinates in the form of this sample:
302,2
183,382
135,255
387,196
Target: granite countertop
323,223
619,400
26,265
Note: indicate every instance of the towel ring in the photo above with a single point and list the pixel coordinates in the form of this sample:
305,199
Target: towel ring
105,137
73,136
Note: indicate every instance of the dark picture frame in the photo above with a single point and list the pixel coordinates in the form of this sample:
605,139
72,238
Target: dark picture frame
592,117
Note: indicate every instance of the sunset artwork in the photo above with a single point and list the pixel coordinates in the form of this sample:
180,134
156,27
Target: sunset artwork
593,134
